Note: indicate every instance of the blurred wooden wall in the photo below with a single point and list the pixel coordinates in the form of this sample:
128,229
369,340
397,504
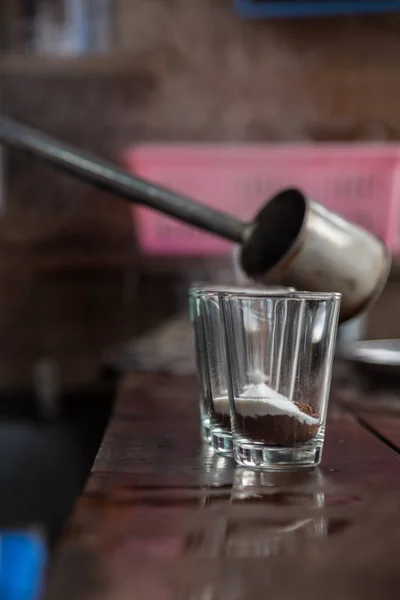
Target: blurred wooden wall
181,70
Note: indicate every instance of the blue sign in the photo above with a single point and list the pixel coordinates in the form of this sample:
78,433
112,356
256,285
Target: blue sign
264,9
23,557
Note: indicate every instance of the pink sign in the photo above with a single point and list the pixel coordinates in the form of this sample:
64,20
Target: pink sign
360,182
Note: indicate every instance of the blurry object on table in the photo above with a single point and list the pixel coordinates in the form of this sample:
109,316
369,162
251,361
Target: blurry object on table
169,348
166,349
376,358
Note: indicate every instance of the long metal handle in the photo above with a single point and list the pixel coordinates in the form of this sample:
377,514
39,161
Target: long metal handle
106,176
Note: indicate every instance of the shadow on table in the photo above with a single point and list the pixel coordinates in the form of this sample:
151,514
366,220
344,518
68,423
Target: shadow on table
44,464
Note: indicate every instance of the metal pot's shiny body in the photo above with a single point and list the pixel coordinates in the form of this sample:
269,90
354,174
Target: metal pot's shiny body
305,245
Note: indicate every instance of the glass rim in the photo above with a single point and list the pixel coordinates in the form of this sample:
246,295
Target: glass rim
238,289
289,295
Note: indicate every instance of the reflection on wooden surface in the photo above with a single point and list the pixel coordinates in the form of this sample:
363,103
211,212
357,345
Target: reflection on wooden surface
163,517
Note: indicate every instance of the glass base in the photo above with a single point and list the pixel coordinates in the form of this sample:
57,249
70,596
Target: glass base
277,458
205,431
222,442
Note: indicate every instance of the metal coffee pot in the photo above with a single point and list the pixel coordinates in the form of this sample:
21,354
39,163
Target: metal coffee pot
293,238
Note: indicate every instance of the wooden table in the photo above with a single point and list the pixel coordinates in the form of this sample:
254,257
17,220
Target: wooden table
163,518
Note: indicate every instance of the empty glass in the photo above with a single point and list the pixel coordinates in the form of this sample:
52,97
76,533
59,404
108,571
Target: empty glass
280,350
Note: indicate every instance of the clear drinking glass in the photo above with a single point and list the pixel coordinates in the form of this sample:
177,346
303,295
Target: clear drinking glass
215,355
280,350
201,362
212,361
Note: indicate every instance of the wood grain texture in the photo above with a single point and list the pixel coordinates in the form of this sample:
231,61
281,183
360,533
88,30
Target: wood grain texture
164,517
384,425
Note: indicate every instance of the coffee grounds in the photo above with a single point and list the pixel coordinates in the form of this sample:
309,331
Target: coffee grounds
279,430
222,420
